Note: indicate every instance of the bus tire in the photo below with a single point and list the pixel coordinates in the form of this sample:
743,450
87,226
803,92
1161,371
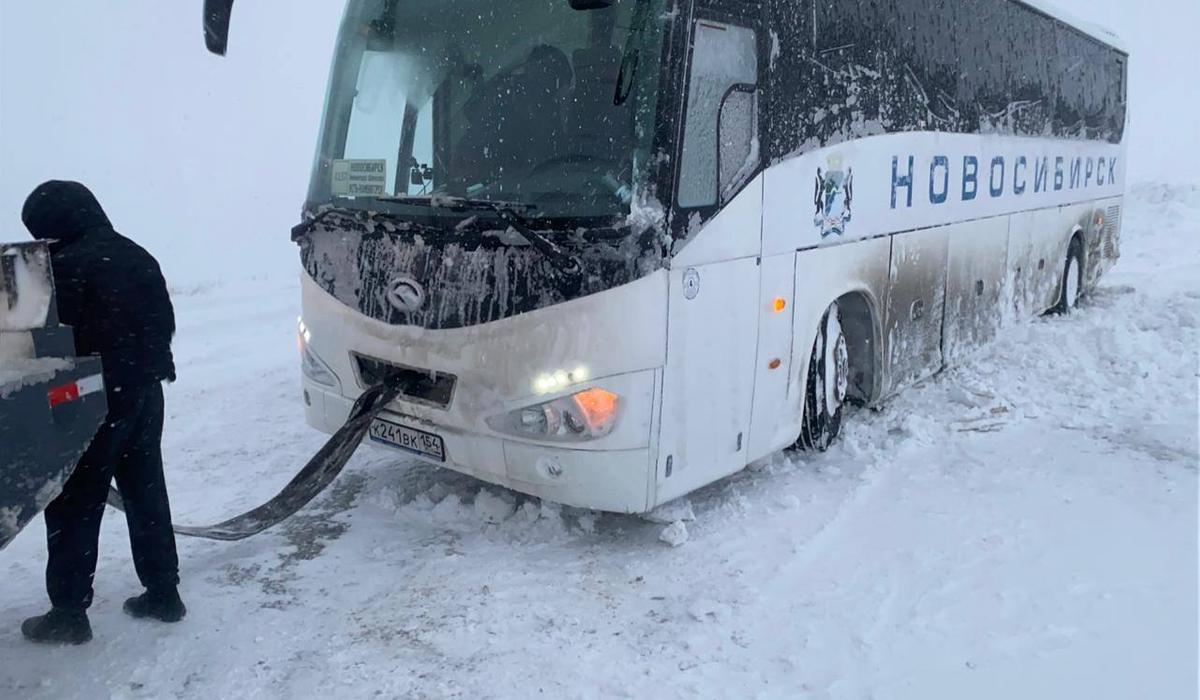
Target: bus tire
1072,284
825,385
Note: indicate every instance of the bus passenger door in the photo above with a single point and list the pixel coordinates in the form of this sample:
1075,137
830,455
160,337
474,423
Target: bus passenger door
708,382
916,302
712,324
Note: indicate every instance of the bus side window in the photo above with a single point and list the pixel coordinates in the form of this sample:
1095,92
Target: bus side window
724,64
737,140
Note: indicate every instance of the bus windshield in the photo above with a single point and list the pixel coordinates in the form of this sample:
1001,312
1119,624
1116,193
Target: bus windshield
526,102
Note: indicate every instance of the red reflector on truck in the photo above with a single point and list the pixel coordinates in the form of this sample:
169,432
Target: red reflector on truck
67,393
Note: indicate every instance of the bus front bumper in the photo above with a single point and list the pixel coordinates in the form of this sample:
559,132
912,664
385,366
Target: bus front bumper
608,480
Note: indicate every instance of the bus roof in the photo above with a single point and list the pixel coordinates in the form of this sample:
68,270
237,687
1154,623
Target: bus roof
1096,31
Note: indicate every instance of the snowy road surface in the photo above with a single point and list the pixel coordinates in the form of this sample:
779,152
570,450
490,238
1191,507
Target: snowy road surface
1023,526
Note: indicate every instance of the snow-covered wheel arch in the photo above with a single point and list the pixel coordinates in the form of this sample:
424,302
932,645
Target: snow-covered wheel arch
826,383
843,367
861,325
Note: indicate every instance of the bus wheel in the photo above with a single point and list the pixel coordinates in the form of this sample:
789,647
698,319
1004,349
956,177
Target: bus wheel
825,390
1072,284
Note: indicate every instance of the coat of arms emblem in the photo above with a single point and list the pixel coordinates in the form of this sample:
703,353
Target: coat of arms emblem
832,197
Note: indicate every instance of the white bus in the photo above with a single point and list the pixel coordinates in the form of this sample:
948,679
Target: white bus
617,250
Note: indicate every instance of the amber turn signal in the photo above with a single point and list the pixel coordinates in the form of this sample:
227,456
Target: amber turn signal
599,407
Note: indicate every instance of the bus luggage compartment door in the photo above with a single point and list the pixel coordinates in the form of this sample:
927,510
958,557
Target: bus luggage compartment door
916,300
975,284
708,382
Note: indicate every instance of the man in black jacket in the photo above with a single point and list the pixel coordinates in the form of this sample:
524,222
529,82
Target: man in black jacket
112,292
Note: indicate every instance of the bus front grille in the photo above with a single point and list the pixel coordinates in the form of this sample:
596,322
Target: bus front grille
416,385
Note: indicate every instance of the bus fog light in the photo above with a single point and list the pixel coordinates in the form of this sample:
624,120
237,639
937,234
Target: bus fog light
585,415
550,467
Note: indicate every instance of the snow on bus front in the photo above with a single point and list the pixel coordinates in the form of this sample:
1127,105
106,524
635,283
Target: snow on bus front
470,273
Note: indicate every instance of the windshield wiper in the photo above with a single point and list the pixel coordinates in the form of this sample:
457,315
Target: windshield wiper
307,224
631,55
310,221
565,262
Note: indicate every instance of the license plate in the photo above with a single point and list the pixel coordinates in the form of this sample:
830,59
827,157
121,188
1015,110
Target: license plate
408,439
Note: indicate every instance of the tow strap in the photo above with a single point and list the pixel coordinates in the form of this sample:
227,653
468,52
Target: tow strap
320,471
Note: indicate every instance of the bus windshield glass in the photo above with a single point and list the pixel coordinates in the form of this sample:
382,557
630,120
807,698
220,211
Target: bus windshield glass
528,102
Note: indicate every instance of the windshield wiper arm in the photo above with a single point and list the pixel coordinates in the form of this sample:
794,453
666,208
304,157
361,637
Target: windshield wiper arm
566,263
630,55
509,212
308,223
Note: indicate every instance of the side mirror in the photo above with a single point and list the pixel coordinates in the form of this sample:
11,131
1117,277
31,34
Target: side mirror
590,4
216,25
419,174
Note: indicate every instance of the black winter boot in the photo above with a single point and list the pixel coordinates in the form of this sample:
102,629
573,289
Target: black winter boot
59,626
163,605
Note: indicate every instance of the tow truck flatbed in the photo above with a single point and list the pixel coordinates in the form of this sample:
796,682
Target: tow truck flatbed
51,402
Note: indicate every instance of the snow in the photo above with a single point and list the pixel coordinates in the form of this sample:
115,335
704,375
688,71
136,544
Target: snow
25,306
491,507
1004,530
675,534
673,511
16,374
645,212
15,347
1096,30
9,520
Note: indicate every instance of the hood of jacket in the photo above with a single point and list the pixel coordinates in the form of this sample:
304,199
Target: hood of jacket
63,211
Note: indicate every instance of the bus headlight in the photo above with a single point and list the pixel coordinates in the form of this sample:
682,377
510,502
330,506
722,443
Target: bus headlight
586,415
315,369
311,365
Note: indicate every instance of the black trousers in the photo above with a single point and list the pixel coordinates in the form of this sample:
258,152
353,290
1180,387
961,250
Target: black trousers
127,447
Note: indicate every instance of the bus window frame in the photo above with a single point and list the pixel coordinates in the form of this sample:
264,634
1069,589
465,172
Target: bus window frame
727,193
748,14
657,184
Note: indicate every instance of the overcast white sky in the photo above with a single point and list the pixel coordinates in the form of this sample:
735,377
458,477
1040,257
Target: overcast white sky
207,160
